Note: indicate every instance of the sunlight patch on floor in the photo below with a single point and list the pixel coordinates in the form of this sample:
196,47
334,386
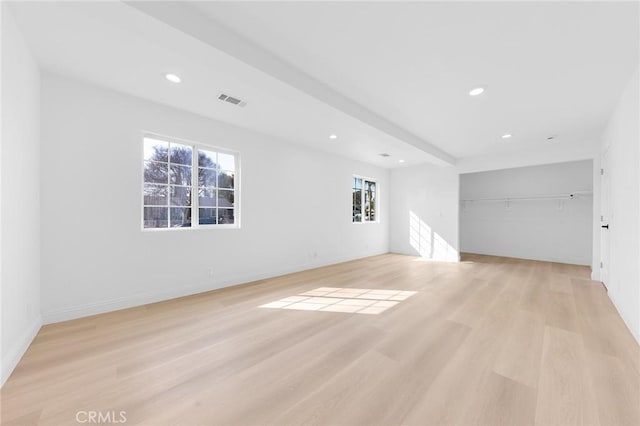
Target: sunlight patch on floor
350,300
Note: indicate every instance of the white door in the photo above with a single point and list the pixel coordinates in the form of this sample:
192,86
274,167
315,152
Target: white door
605,218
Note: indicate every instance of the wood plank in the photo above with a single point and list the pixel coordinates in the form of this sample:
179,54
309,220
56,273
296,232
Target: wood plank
561,312
502,401
564,391
617,393
521,352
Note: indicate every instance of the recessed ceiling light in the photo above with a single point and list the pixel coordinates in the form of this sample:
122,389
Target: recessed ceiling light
476,91
333,136
173,78
506,136
400,161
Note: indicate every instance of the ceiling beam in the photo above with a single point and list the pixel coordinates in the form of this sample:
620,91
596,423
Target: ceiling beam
189,20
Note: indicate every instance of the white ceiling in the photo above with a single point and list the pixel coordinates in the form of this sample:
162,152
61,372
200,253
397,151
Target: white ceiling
386,77
116,46
549,67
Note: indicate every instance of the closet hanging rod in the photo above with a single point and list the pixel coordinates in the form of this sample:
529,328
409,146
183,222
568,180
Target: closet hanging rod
567,196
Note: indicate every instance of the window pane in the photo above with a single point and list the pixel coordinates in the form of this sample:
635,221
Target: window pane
371,188
367,213
155,150
155,195
180,217
357,183
357,205
207,216
155,217
372,210
225,216
206,177
226,162
225,180
156,172
180,154
367,200
225,198
180,175
180,196
207,197
207,159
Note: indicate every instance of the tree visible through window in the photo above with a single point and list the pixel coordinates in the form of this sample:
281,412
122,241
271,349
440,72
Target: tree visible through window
169,183
364,200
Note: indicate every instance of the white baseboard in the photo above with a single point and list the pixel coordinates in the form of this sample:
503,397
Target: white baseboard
566,261
130,301
451,258
138,299
11,359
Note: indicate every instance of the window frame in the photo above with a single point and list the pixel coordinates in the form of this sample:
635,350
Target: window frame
195,202
377,198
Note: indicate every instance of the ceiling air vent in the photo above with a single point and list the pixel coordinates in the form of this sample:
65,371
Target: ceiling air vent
235,101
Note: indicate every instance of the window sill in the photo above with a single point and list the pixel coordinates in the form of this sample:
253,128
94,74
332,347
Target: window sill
199,228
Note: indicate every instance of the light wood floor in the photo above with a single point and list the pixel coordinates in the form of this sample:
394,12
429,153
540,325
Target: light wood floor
488,341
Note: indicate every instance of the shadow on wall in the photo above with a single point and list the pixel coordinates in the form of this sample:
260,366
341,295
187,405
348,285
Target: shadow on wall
427,243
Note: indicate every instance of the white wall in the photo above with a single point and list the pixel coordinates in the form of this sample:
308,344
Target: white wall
20,196
296,206
622,140
424,212
549,230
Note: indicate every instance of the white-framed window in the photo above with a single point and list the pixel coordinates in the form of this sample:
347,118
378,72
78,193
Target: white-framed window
187,185
365,199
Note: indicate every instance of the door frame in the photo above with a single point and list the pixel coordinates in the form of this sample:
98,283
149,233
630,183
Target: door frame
605,216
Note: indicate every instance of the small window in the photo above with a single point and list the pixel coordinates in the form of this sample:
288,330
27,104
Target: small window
187,186
365,200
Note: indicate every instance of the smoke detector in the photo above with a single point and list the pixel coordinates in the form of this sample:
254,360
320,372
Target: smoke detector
232,100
